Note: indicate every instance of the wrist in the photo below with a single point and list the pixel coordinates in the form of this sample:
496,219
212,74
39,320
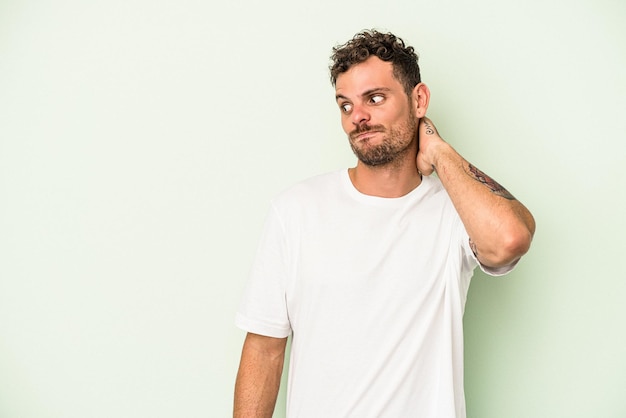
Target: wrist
441,153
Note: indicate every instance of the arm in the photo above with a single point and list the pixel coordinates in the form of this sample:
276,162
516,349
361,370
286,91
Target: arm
499,226
258,378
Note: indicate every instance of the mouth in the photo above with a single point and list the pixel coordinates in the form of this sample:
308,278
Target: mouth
362,136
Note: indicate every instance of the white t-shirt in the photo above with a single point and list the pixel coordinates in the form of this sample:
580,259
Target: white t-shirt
373,290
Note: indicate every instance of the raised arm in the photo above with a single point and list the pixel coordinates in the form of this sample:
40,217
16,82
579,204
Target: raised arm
259,375
499,226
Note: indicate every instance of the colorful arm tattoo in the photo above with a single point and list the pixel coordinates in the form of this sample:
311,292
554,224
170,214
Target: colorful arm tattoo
493,185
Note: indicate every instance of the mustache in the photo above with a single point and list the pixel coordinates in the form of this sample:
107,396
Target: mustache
363,128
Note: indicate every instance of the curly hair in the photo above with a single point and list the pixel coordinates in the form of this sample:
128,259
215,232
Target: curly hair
385,46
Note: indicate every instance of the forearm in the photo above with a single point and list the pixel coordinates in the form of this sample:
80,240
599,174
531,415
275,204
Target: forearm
258,378
499,226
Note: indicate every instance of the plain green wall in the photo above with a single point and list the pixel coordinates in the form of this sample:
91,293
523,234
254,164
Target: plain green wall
141,141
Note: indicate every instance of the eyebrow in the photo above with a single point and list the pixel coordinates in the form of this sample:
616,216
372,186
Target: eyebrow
365,93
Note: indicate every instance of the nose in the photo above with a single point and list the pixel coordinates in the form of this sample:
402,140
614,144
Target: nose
359,115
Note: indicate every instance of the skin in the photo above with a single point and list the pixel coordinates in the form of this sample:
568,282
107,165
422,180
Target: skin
386,128
258,378
368,94
499,226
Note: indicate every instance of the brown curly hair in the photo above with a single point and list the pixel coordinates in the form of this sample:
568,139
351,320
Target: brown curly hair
385,46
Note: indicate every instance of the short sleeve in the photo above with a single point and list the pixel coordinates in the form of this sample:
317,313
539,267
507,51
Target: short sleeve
263,308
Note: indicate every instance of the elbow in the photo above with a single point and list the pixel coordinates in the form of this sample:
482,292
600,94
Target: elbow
513,245
517,245
510,243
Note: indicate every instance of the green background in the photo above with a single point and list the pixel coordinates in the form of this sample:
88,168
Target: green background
141,141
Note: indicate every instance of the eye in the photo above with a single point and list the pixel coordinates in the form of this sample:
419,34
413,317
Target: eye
345,107
378,98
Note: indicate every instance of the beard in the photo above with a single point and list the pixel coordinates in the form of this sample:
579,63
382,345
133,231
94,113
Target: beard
395,143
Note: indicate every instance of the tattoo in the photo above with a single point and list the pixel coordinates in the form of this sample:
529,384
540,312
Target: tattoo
472,245
429,128
490,183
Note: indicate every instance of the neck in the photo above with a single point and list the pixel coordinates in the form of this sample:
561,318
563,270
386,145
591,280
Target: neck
395,179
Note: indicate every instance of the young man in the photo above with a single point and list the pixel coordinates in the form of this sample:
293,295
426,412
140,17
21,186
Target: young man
368,268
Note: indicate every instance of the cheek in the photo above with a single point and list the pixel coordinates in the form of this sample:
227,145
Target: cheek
403,117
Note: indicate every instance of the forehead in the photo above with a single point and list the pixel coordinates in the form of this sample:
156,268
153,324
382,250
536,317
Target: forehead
370,74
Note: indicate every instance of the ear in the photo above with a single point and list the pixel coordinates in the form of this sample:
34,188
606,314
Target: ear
420,99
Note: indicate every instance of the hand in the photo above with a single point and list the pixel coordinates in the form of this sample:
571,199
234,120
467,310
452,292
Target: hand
429,142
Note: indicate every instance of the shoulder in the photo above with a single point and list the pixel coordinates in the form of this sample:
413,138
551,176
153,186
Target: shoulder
311,188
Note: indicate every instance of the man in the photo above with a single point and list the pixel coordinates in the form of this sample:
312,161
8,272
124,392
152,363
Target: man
368,268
